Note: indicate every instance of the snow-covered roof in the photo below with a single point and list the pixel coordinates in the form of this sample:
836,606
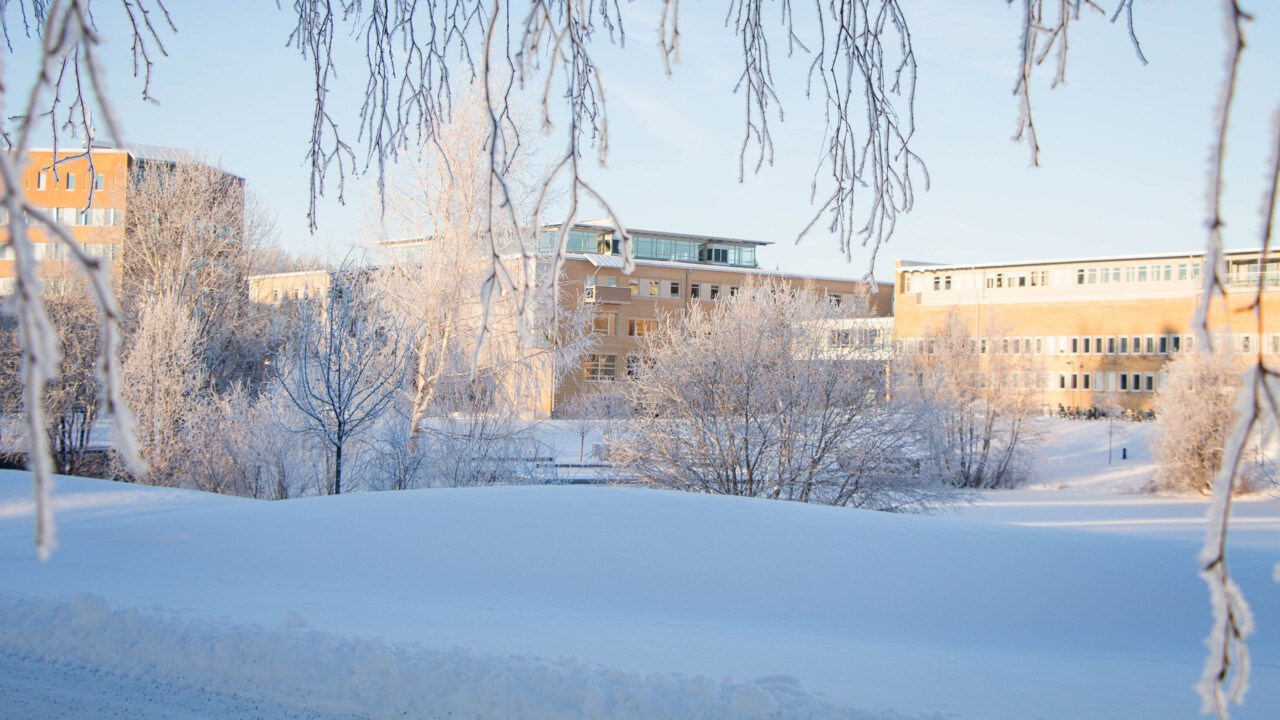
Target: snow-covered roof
605,225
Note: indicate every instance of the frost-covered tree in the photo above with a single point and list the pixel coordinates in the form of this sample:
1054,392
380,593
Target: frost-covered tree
165,379
749,396
194,235
344,367
1195,412
978,393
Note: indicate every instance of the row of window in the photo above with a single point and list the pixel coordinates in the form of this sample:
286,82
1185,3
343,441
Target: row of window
1139,273
297,293
1122,274
69,181
649,247
58,251
865,338
668,289
92,217
1096,345
1110,381
606,323
1070,345
604,368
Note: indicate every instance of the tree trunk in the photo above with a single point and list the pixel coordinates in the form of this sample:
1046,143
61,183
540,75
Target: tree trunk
337,470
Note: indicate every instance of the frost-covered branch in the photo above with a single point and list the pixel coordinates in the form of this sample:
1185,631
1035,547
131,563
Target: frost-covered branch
68,83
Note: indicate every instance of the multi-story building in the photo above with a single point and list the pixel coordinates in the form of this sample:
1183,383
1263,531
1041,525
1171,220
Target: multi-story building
65,188
1101,328
673,273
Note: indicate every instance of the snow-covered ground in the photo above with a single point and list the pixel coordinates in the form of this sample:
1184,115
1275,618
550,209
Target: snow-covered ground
1071,598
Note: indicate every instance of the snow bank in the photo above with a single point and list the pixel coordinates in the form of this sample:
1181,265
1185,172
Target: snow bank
376,679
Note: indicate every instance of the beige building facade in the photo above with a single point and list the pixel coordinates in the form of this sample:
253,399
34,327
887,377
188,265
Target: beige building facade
673,273
1102,329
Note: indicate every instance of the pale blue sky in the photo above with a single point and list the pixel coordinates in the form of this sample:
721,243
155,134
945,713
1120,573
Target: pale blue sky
1124,147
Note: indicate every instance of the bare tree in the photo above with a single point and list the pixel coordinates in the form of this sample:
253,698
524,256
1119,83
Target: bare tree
345,366
590,411
750,397
72,398
979,393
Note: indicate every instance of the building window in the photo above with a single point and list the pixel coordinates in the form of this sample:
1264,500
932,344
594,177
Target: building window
275,295
1151,345
1135,345
946,282
42,180
642,328
733,291
937,282
1164,345
1080,276
675,289
600,367
1039,346
1124,382
1087,345
836,298
1151,382
604,323
99,181
1085,379
653,288
1175,343
1111,345
611,282
1246,344
715,292
635,286
1142,273
1093,276
695,291
71,181
1062,382
1136,382
1075,346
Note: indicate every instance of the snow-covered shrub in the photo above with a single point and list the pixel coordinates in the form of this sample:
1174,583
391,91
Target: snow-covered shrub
752,397
1195,412
977,397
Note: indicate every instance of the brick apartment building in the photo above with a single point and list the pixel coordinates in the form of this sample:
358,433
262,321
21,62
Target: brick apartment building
65,188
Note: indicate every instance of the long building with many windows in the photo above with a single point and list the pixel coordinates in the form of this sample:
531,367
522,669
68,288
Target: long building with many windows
1102,328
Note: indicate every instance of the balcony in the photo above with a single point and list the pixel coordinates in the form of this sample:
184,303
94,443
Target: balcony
604,295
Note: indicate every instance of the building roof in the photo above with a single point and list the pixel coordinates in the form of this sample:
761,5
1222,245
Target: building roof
914,266
605,225
141,151
615,261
